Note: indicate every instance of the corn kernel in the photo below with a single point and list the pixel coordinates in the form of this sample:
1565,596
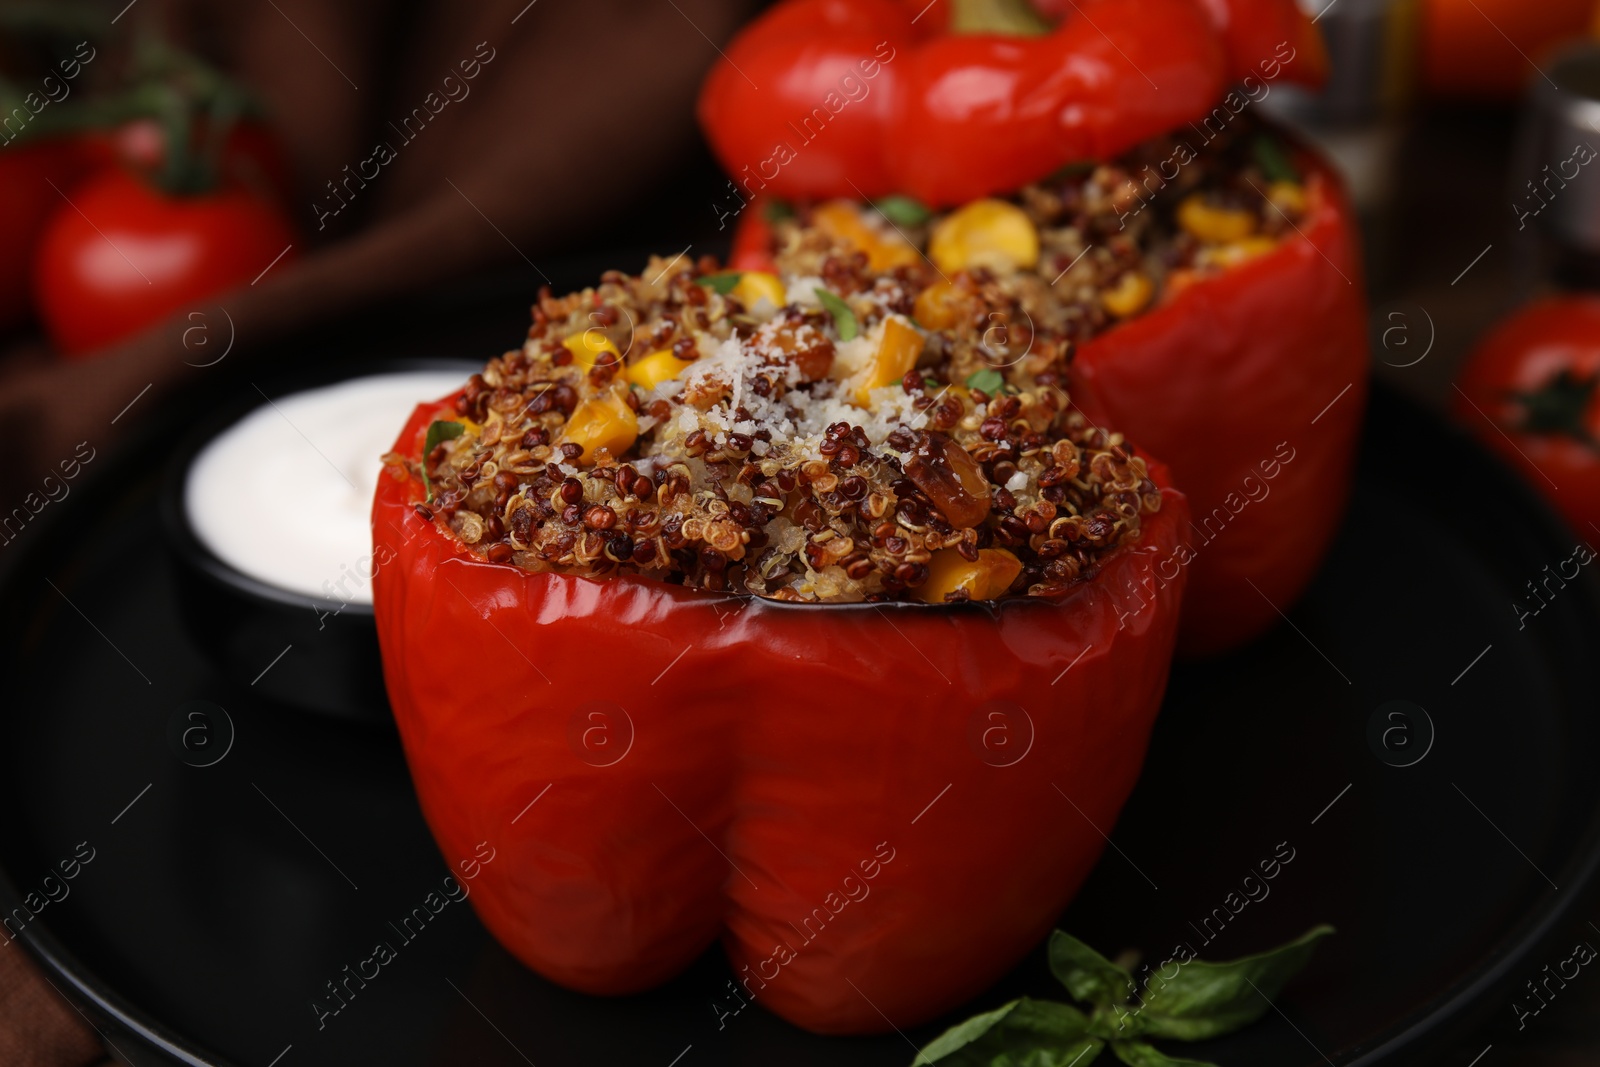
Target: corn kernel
1231,255
753,285
985,233
937,307
986,579
656,368
1129,296
839,219
897,353
587,346
602,423
1290,197
1216,225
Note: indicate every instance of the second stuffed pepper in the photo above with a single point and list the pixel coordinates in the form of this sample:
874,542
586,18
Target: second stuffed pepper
1197,271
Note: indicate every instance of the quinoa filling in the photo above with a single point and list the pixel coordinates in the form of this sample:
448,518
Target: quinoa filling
882,417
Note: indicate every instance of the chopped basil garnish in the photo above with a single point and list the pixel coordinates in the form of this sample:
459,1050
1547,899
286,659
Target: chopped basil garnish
1199,1001
844,320
720,283
988,379
1273,160
777,210
441,430
903,210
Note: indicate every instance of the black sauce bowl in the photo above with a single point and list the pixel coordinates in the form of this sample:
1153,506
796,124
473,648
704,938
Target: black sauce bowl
310,653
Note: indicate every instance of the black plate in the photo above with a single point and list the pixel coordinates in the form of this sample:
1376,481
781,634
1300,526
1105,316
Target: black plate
221,899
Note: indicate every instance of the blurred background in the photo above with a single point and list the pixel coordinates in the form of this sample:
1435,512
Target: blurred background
271,168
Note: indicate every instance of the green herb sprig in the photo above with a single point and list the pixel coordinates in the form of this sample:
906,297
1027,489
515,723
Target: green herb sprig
989,380
903,210
1273,159
1201,1001
844,320
441,430
721,284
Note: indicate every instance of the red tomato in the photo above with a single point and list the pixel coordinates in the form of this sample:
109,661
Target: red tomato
26,174
125,255
253,156
1530,393
1486,49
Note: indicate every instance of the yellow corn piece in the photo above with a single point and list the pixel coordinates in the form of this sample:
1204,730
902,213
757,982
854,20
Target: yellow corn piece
985,233
1290,197
1215,225
1129,296
602,423
1231,255
755,284
986,579
839,219
656,368
897,353
587,346
936,307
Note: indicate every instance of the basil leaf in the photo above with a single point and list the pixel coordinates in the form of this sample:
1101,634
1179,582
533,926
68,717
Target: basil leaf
844,320
1087,974
722,284
932,383
1023,1033
1273,160
441,430
777,210
989,380
1205,1000
1139,1054
1116,1022
903,210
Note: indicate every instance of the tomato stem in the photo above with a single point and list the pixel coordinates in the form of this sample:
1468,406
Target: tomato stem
1560,406
195,105
1010,18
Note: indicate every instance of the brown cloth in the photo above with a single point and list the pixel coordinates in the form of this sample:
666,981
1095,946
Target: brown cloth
577,107
580,108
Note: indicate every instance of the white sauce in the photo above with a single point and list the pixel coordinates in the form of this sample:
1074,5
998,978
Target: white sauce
285,494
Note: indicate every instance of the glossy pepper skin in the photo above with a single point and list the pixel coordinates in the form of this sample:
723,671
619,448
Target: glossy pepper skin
862,98
1253,383
844,795
1531,392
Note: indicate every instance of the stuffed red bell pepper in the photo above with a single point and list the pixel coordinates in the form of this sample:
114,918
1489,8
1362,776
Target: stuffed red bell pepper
958,99
1203,285
723,610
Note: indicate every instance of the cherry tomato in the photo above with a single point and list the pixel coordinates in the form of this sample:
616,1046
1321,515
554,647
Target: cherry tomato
253,155
125,255
1530,393
27,172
